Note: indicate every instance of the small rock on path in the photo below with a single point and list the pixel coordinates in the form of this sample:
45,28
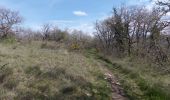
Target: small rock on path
117,90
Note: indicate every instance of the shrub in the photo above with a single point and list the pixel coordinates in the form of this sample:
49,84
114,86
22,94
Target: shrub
74,47
79,41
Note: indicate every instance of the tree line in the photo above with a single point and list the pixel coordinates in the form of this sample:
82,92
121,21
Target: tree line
136,31
130,31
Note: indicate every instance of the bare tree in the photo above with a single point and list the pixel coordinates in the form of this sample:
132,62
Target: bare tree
57,34
133,29
46,29
104,34
114,32
8,19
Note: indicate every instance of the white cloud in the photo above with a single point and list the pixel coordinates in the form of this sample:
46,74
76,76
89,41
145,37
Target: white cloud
79,13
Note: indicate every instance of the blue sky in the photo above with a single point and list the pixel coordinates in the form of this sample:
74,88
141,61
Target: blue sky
74,14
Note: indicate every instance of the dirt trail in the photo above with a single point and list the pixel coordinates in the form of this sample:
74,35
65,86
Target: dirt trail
117,90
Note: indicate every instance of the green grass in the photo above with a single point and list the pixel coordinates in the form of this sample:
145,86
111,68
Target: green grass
35,72
140,81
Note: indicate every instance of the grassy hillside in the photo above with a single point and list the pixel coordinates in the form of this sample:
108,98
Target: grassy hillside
32,71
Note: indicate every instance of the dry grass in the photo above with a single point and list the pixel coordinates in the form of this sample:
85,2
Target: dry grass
40,73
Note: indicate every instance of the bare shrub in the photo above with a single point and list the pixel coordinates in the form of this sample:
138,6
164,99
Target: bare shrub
79,40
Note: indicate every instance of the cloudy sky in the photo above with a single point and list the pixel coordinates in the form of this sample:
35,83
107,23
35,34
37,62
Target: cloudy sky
74,14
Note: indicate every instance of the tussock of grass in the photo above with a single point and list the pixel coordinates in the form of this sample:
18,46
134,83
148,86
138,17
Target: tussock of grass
10,83
4,72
